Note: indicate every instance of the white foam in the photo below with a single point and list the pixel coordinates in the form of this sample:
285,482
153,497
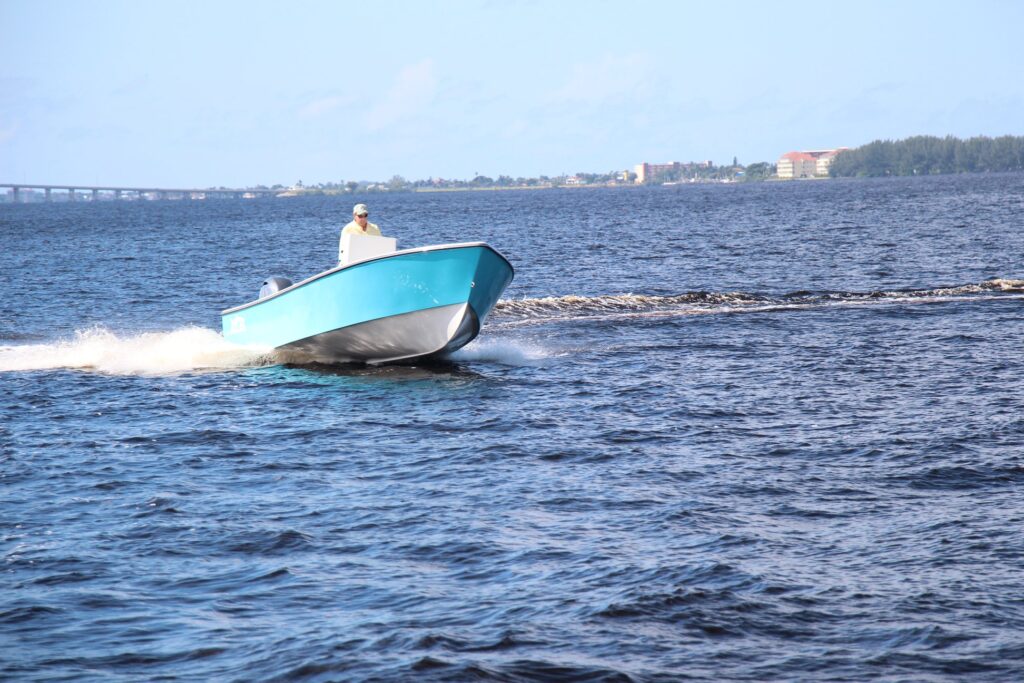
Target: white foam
504,351
1007,285
151,353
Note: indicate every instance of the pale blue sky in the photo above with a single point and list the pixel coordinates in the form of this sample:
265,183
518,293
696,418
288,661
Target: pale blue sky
240,93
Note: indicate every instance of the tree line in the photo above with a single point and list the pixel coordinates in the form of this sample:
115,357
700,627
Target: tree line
930,155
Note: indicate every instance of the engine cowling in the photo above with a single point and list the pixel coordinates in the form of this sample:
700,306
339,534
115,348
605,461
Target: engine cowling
273,285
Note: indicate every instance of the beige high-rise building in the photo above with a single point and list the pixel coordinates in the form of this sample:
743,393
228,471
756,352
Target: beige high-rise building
823,159
796,165
809,164
646,172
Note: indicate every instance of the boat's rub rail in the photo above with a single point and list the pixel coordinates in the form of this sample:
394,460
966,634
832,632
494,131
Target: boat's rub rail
416,250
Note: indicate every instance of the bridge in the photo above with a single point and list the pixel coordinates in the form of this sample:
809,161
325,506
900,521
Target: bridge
95,192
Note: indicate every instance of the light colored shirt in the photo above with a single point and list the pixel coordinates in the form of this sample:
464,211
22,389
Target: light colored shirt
354,229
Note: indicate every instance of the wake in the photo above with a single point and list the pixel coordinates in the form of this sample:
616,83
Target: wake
196,349
151,353
502,351
573,306
192,349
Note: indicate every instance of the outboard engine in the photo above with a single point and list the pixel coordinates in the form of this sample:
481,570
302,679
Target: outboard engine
273,285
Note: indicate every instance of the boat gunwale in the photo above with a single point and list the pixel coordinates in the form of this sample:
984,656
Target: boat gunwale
331,271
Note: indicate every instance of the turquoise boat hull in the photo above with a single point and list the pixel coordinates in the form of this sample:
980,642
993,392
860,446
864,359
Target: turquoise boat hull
410,304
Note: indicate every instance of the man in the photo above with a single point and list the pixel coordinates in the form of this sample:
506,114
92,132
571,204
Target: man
360,225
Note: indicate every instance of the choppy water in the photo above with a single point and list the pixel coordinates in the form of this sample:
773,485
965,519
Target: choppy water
753,432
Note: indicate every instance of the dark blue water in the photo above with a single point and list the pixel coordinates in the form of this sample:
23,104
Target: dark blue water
751,432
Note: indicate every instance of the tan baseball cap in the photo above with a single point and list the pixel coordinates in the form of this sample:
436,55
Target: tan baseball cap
359,209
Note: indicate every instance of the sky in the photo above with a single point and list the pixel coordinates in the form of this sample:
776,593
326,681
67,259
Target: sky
236,94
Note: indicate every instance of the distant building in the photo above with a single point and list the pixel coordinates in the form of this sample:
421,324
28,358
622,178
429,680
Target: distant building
809,164
823,159
647,172
797,165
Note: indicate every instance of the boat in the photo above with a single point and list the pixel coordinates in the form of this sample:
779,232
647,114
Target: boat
378,305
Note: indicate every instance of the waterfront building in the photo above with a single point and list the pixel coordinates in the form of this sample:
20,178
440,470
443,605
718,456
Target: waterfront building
652,173
796,165
808,164
823,159
646,172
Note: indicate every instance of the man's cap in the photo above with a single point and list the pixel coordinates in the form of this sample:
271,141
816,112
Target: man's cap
359,208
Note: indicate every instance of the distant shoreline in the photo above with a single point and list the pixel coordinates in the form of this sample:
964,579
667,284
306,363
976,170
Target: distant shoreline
36,197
